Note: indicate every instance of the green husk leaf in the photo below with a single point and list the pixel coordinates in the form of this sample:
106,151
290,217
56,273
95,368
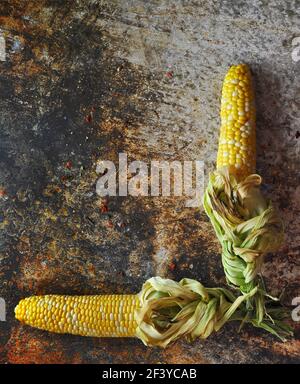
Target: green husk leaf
247,227
170,310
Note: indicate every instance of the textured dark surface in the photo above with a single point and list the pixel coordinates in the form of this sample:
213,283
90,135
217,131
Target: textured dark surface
85,80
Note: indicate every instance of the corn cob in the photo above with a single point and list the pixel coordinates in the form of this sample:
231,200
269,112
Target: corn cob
162,312
100,316
246,225
237,148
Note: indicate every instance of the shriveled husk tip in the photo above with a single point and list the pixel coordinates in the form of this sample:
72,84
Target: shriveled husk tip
170,310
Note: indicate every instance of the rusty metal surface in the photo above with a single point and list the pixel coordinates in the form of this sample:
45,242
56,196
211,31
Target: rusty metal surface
85,80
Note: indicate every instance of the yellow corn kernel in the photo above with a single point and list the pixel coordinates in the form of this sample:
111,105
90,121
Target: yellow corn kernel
237,143
80,315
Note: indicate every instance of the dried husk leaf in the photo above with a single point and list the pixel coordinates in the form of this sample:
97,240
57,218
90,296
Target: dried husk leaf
247,227
170,310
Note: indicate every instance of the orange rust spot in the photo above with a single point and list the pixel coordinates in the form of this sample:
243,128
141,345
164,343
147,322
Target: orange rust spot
28,68
179,353
24,348
291,348
15,22
12,23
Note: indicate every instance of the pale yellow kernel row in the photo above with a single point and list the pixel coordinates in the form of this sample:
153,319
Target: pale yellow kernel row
100,315
237,142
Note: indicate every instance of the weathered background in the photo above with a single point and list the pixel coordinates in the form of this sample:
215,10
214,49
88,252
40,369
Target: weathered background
84,80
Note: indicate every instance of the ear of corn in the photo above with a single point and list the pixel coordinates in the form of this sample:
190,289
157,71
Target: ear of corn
237,135
162,312
101,316
246,224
